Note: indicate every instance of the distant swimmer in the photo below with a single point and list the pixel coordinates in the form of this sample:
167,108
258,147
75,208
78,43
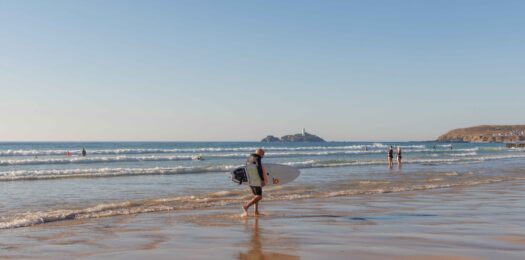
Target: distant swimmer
399,156
255,158
197,158
68,153
84,153
390,157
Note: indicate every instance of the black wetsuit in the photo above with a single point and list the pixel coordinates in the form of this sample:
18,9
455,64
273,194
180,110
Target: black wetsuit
399,155
390,153
256,159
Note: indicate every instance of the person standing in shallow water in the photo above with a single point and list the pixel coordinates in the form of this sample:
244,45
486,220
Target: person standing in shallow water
399,156
255,158
390,157
84,153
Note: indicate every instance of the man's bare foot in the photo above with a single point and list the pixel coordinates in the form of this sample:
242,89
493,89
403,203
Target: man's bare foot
245,211
257,213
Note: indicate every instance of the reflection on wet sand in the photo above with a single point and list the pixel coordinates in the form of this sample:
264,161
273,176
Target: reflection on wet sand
256,245
481,222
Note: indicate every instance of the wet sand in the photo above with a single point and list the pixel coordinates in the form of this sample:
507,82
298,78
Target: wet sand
477,222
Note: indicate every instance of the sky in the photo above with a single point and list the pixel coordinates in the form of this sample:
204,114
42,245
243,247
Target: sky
240,70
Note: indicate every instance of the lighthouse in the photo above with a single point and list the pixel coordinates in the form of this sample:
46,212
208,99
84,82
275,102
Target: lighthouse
304,132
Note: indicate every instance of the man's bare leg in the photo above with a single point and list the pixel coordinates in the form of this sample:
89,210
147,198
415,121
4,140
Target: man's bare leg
256,209
244,211
253,201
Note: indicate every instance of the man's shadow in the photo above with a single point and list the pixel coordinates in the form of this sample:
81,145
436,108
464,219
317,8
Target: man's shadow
255,250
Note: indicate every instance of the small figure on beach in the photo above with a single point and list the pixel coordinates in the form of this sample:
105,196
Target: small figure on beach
255,158
390,157
84,153
399,156
68,153
197,158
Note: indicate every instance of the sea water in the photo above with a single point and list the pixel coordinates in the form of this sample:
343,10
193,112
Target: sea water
47,182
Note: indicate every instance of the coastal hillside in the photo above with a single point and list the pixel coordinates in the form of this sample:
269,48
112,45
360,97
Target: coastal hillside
486,133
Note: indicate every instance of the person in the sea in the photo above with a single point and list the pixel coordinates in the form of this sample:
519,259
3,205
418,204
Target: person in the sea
255,158
390,156
84,153
399,155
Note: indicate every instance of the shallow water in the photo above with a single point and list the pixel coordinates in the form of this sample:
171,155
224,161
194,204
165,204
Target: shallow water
41,184
467,222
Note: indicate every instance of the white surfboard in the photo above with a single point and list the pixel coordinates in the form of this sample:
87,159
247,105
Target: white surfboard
274,174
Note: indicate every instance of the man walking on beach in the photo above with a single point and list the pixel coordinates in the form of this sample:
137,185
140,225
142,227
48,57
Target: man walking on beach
256,190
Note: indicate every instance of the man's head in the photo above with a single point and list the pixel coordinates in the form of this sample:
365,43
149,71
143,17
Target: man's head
260,152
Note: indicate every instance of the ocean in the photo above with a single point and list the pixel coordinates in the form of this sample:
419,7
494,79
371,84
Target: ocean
41,184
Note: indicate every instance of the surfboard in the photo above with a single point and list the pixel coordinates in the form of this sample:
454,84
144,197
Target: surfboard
274,174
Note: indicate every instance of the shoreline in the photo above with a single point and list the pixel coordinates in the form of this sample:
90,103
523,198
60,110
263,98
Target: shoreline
476,222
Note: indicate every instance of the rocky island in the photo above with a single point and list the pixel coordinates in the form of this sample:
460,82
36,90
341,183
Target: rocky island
301,137
486,134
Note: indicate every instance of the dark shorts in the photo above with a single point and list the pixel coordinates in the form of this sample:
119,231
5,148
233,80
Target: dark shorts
256,190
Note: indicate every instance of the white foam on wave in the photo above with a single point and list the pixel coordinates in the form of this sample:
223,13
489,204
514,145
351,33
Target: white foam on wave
108,172
119,158
101,210
416,182
184,150
174,150
343,163
238,151
13,175
77,160
124,158
463,154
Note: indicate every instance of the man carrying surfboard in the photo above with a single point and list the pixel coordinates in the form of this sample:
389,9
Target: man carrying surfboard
255,158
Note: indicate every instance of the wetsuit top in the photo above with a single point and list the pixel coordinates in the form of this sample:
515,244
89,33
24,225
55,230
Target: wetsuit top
391,153
399,154
256,159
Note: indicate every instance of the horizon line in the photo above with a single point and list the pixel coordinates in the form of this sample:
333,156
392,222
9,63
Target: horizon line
201,141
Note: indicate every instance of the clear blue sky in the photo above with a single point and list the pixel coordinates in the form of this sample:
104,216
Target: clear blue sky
239,70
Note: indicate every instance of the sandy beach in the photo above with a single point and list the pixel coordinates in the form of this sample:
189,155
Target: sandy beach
477,222
379,130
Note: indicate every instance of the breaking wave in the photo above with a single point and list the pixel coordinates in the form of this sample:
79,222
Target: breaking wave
107,172
225,198
110,172
131,151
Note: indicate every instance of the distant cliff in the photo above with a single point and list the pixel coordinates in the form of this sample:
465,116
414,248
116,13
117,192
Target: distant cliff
306,137
486,134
